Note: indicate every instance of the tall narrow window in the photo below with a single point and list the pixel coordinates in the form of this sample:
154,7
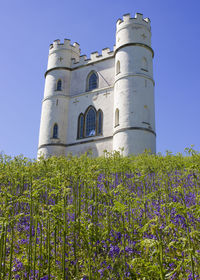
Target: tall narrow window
99,122
144,64
59,85
90,122
117,117
55,131
118,67
80,126
92,81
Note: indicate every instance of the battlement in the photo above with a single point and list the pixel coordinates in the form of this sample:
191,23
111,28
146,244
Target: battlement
94,57
66,45
138,19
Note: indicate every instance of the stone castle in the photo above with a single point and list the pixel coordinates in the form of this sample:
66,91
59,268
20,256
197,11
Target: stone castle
105,102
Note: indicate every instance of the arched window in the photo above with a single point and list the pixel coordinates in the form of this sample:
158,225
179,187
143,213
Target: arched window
55,131
80,126
117,117
99,121
59,85
118,67
144,64
90,122
92,81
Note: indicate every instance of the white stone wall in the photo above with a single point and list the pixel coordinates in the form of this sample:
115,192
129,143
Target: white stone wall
105,70
100,98
134,87
96,148
131,91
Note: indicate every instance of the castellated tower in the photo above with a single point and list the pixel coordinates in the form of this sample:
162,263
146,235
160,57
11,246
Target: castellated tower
105,102
134,87
54,118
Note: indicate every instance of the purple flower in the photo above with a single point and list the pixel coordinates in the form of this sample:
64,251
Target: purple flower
114,251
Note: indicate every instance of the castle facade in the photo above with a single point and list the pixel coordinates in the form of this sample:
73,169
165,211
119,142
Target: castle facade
105,102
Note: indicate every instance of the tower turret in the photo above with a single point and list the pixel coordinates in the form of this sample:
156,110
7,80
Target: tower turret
134,116
54,117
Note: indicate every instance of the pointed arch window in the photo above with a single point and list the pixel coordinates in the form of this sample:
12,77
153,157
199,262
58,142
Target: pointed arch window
55,131
59,85
90,123
80,126
92,81
99,122
117,117
118,67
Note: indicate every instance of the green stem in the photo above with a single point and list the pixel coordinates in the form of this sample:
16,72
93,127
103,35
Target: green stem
35,249
30,233
190,247
64,237
11,250
1,247
41,251
160,257
124,241
49,249
55,243
4,255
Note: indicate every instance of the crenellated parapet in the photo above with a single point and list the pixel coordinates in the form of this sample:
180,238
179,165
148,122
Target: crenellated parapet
56,46
61,54
138,19
94,57
135,30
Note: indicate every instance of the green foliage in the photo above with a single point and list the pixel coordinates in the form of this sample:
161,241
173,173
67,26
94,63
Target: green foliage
110,217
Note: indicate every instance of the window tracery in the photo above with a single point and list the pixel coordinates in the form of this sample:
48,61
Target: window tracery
90,123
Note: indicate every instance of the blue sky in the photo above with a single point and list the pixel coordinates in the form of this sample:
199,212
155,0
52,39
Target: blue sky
27,28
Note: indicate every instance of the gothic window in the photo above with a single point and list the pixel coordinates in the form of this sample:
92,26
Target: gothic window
59,85
118,67
90,123
55,131
99,122
80,126
92,81
144,64
117,117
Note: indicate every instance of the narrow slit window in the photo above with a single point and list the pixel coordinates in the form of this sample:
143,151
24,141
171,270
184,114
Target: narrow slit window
117,117
144,64
118,67
80,126
59,85
55,131
99,122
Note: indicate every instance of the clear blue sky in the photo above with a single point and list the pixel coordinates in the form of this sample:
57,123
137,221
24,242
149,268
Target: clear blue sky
27,28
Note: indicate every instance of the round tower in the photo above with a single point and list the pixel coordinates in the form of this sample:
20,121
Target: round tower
54,116
134,114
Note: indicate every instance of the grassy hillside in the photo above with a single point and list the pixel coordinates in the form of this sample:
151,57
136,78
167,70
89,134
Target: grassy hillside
104,218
